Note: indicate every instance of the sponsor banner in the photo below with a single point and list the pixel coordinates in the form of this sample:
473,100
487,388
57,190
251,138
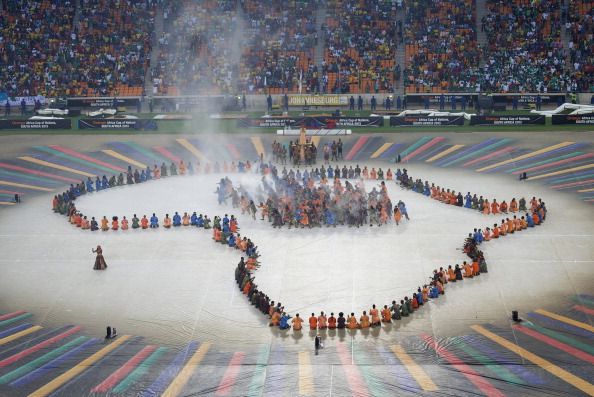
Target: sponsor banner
56,124
529,98
508,120
578,119
427,121
311,122
318,100
105,103
435,99
136,124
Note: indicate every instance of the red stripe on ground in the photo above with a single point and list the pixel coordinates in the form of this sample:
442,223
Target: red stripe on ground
90,159
11,315
39,173
233,150
479,381
560,162
424,147
555,343
572,184
167,154
39,346
584,309
489,156
124,370
231,374
358,145
352,373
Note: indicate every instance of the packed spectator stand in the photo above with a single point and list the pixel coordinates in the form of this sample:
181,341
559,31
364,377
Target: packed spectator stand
104,48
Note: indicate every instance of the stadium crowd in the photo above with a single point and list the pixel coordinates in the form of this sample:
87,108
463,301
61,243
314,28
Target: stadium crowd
89,48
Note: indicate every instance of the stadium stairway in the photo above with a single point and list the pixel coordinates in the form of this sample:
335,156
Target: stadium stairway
548,353
320,20
481,36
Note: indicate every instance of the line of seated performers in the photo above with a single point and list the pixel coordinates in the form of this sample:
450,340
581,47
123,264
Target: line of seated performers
473,267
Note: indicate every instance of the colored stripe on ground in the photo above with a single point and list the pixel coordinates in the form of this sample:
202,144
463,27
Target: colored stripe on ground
19,177
259,377
479,381
468,150
35,172
87,158
374,384
566,320
476,151
20,334
555,324
159,385
414,369
543,156
192,149
13,319
257,142
78,368
526,156
234,151
519,369
53,364
575,177
586,190
30,366
400,375
123,371
559,160
55,166
426,146
14,358
176,387
562,172
548,366
25,186
572,184
126,159
11,315
306,387
381,149
11,192
139,372
420,142
7,203
584,309
86,163
432,152
489,156
497,369
584,299
556,344
166,153
231,374
144,151
391,153
356,147
353,376
444,153
13,330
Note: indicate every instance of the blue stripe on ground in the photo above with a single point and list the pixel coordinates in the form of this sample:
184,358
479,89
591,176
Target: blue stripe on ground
585,296
56,363
275,374
529,160
569,177
39,338
560,168
398,371
433,151
463,152
559,325
480,343
108,159
132,153
149,152
369,148
25,180
391,154
167,375
14,330
65,163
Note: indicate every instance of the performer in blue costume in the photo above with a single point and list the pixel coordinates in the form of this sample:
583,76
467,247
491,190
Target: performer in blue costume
154,221
176,219
284,321
194,219
90,185
468,200
97,184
